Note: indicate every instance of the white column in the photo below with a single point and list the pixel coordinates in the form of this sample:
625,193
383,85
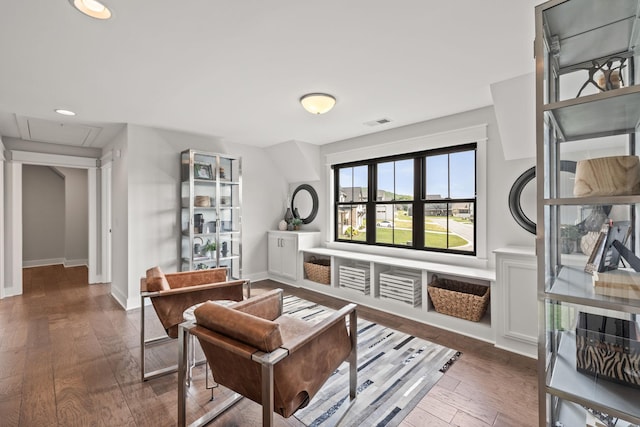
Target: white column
3,241
13,230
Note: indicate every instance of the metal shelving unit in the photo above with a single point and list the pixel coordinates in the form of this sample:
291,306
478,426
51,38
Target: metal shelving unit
576,41
211,211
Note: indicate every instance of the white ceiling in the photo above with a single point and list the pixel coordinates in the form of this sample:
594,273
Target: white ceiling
236,69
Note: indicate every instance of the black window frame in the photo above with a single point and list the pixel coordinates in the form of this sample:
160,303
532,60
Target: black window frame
417,204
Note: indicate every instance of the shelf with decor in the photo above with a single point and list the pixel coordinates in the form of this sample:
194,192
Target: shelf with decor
587,116
211,211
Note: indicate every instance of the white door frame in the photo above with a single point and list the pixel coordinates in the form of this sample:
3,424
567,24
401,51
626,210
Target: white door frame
3,271
13,241
106,163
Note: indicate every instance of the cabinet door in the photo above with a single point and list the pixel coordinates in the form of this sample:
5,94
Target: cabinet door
275,254
289,256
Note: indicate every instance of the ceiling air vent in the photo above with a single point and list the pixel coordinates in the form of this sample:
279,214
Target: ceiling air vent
378,122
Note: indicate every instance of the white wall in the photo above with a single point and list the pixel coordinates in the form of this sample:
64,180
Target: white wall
146,190
502,229
43,216
76,239
55,216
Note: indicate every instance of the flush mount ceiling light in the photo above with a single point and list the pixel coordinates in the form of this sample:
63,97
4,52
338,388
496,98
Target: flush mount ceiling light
92,8
317,103
64,112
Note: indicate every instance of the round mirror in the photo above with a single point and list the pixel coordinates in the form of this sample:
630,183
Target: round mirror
520,189
304,203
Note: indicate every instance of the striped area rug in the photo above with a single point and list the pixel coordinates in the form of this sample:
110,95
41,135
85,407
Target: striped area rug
395,371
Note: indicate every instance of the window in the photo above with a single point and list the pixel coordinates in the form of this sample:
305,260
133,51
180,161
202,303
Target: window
423,201
352,195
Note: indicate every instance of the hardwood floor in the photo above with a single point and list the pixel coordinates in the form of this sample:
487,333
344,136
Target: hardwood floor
69,355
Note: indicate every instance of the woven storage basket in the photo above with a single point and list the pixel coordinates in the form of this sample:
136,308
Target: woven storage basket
318,270
460,299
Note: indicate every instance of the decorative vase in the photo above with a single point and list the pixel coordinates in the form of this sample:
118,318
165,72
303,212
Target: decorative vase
288,216
282,225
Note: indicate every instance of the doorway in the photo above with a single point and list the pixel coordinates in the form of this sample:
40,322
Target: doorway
97,204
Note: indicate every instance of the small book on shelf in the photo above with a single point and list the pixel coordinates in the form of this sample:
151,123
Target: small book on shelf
617,283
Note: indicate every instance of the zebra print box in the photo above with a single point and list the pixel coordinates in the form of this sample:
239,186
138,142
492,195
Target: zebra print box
608,348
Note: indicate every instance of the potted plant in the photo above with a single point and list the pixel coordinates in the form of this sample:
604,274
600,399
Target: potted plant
208,248
297,222
569,235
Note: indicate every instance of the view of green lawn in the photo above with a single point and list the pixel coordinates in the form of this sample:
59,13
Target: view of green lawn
435,235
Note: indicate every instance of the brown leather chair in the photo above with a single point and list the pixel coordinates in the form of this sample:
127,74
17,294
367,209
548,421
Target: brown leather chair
278,361
171,294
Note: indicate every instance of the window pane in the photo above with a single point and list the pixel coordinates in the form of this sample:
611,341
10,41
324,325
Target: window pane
436,225
404,180
352,222
345,185
385,182
395,180
462,225
353,184
360,183
449,226
384,224
403,225
462,174
437,176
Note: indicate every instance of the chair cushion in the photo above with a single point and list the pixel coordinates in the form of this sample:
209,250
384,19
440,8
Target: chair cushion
156,281
259,333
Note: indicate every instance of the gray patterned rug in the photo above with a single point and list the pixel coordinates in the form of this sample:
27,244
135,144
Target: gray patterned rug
395,371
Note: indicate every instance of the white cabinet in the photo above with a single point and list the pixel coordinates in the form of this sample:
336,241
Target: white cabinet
515,303
283,251
284,256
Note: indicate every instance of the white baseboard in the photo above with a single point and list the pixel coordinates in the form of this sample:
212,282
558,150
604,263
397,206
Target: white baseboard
9,292
76,262
55,261
42,262
119,297
255,277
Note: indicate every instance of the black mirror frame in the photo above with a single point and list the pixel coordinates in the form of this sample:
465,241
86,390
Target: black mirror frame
516,191
314,198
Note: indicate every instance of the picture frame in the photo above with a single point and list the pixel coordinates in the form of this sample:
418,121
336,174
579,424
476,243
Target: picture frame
604,256
202,171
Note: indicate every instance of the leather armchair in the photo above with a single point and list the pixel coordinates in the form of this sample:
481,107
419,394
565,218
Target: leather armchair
275,360
171,294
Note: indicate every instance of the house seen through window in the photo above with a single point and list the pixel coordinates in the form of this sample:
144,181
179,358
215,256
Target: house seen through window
424,201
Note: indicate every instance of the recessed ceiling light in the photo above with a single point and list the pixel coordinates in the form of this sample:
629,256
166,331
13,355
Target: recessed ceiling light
64,112
92,8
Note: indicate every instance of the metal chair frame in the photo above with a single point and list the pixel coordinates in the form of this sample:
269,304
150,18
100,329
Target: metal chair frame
159,340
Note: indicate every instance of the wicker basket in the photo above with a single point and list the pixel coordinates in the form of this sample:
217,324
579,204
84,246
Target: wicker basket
460,299
318,270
